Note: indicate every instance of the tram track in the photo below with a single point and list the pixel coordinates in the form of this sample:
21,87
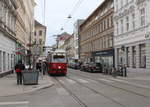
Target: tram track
76,98
120,88
99,93
121,82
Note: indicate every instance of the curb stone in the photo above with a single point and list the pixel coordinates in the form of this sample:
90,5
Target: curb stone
32,90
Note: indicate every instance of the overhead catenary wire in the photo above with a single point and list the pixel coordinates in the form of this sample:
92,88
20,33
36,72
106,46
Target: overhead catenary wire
72,12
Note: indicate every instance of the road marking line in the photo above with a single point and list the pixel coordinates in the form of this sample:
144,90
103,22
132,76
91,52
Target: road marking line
14,103
83,81
105,80
71,81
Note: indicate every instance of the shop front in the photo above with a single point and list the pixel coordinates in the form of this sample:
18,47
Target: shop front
105,57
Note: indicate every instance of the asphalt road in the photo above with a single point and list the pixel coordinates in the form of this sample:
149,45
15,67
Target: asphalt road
82,89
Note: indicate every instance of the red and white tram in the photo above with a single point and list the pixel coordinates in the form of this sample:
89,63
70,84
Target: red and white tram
57,62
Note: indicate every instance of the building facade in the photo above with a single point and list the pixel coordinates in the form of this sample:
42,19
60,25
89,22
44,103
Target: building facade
96,35
132,34
39,38
24,29
76,38
61,40
7,34
69,47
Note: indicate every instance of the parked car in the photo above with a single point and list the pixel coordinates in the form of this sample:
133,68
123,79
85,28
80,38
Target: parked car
94,67
76,65
84,67
70,65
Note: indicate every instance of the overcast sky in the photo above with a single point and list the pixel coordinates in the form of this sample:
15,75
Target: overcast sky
57,12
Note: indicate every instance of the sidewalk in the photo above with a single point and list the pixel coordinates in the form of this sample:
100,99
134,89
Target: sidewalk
8,85
141,79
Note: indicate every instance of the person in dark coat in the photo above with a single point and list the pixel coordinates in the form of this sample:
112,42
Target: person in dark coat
18,68
39,66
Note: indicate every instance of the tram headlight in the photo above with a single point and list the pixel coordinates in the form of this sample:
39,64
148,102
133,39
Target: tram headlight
59,67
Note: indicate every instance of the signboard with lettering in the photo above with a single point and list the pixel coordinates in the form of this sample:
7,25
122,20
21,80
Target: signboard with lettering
104,53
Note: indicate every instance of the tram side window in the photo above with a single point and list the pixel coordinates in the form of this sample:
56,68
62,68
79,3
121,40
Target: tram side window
57,58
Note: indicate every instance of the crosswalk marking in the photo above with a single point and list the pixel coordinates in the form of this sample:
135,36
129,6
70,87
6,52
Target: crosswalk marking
14,103
83,81
105,80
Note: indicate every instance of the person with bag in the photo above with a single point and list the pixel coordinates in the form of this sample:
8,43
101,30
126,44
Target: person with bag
18,68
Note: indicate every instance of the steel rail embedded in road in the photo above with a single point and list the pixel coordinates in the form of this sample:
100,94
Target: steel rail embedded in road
81,103
99,93
107,84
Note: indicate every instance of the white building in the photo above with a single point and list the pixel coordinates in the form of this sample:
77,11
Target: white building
132,34
76,38
7,35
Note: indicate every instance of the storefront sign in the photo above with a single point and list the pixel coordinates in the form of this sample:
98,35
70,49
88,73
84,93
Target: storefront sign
104,53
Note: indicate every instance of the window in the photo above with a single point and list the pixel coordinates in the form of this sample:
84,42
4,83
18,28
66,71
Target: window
110,42
134,56
104,24
142,13
40,32
108,23
133,21
142,56
40,40
0,61
127,56
127,23
12,61
35,33
121,3
117,5
4,61
104,42
117,28
59,58
121,26
112,21
8,61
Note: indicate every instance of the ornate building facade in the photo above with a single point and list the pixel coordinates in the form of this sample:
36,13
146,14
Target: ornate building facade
132,34
7,35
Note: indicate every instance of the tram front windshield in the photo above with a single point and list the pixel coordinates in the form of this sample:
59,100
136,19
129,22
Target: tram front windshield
59,58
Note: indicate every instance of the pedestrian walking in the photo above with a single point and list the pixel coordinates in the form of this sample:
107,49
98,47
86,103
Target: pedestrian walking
18,68
44,66
39,66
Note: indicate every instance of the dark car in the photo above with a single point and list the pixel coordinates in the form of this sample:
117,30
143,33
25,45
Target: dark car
94,67
84,66
76,65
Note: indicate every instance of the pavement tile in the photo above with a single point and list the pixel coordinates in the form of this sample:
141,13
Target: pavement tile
8,85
